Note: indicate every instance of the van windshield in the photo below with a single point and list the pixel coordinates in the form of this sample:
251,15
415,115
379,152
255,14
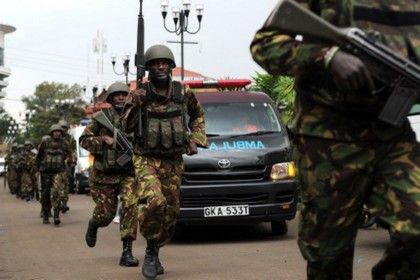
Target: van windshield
83,152
240,118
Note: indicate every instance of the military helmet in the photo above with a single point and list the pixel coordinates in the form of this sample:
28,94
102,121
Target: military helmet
159,51
114,88
27,142
14,145
20,146
55,127
63,124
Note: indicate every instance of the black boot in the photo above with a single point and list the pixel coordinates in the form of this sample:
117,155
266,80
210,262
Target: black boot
127,258
91,233
159,268
57,216
65,208
149,265
45,216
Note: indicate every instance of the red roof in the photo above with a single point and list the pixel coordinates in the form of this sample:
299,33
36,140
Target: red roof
187,73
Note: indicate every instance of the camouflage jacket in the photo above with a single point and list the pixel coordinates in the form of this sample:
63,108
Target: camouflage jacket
321,110
8,160
91,140
192,107
27,161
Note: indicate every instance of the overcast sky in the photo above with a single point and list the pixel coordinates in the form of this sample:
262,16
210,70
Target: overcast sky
53,40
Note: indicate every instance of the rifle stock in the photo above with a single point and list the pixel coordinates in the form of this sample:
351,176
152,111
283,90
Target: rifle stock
394,71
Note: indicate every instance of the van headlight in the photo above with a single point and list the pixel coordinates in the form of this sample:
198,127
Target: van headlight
283,170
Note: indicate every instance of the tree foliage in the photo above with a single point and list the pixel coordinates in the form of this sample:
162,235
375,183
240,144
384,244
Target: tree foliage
50,103
280,89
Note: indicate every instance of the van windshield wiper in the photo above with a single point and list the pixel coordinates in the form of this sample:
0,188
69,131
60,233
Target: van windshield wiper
261,132
212,135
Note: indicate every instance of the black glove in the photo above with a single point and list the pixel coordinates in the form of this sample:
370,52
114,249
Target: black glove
350,73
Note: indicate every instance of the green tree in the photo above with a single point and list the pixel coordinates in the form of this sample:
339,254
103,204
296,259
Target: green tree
50,103
280,89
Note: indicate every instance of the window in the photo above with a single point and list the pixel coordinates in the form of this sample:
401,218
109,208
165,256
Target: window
83,152
240,118
1,57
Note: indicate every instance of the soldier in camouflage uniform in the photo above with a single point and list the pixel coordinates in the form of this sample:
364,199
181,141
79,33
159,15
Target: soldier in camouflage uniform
161,137
11,168
52,154
108,179
19,162
69,166
45,181
28,165
346,156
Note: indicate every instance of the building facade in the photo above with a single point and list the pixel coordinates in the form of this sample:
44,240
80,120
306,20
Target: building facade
4,71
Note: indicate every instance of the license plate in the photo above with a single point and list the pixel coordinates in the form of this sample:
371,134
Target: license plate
226,211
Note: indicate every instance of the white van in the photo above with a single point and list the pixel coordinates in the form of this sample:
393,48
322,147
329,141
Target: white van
81,172
2,166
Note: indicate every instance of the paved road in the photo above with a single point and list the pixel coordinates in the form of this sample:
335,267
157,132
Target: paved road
31,250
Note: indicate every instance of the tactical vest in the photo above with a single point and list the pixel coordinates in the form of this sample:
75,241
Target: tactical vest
107,157
53,160
165,132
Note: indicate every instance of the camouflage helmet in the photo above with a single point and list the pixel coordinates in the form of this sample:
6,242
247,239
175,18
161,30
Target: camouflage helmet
55,127
27,142
63,124
159,51
114,88
20,147
14,145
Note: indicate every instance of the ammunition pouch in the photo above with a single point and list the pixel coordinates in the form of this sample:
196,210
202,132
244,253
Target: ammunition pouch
109,162
164,130
54,161
165,133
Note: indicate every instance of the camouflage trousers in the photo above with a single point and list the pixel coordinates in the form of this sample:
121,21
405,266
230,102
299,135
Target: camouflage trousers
53,194
27,182
105,197
66,186
160,181
12,180
337,178
46,182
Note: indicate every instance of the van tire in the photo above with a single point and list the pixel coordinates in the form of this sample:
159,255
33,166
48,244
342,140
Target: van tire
79,189
278,228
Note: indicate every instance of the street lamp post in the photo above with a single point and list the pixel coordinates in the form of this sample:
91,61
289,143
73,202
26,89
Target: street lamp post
126,66
28,116
180,18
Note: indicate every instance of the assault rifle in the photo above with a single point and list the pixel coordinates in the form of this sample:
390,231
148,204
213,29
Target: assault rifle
394,71
121,137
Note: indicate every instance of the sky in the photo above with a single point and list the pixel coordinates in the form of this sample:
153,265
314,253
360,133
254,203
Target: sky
53,40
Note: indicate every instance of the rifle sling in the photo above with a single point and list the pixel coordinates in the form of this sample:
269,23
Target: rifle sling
391,18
